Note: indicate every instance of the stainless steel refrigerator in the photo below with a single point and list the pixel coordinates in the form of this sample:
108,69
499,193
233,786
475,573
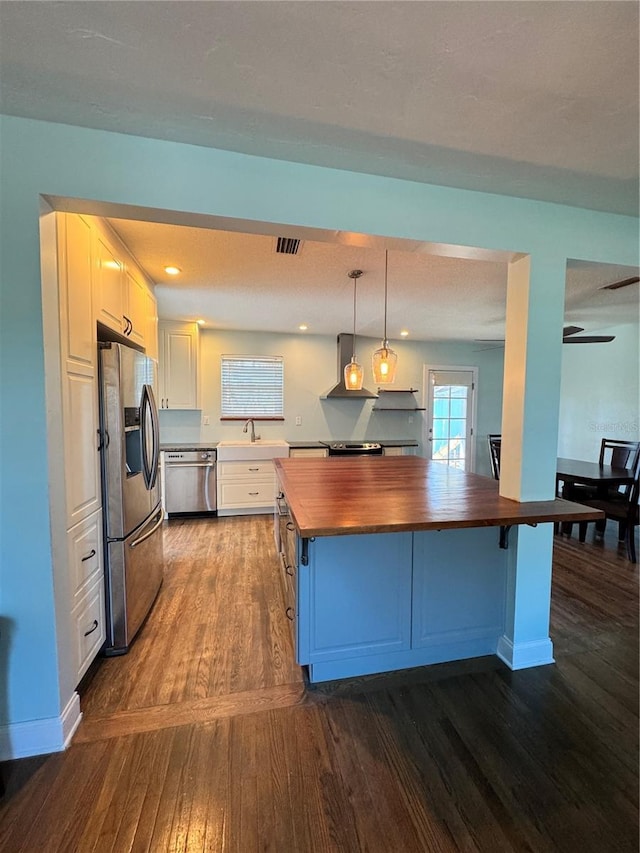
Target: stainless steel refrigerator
132,511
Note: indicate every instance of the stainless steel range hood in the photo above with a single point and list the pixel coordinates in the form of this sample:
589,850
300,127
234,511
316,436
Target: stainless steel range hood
339,391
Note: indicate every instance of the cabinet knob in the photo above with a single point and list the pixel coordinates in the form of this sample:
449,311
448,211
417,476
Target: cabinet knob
91,554
291,614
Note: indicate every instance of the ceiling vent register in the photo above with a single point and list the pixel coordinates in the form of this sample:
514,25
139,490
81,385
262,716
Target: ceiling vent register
287,246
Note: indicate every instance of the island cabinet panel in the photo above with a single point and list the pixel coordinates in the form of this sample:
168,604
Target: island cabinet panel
355,597
459,592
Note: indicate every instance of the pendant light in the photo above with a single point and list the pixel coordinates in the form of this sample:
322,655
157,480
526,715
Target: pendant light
384,360
353,373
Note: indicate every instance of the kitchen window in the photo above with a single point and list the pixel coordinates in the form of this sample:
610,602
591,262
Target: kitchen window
252,387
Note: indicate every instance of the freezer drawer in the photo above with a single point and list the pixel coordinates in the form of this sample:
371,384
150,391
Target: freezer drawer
134,576
190,484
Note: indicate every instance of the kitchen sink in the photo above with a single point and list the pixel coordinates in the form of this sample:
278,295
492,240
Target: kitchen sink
229,451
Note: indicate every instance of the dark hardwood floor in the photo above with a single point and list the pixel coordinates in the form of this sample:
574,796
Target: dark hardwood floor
205,737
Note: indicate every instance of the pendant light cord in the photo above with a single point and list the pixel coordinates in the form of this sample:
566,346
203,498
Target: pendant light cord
386,268
355,283
355,275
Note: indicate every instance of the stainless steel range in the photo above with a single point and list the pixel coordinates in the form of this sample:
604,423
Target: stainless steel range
353,448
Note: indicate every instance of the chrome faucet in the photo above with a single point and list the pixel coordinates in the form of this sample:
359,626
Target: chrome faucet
253,429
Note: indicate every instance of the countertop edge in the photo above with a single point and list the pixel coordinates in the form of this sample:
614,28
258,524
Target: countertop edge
539,517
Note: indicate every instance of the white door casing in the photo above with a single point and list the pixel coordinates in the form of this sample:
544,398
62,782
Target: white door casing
450,425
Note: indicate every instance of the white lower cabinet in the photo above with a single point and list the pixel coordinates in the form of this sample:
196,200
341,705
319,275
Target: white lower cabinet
89,621
245,487
308,452
86,576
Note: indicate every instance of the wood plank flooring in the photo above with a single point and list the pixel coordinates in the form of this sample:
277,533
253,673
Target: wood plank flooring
205,737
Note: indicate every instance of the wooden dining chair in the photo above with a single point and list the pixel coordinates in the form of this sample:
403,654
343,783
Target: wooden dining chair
620,506
495,443
614,452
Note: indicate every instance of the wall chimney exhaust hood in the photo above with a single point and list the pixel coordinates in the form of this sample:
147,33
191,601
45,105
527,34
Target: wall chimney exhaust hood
339,391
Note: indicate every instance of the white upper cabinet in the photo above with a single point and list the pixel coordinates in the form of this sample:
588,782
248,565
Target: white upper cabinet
74,252
123,301
151,330
109,288
135,308
178,366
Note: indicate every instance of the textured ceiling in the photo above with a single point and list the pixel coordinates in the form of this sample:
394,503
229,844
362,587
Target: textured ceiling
237,281
531,99
536,99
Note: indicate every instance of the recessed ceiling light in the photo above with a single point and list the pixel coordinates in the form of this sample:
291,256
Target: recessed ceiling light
404,333
173,270
303,327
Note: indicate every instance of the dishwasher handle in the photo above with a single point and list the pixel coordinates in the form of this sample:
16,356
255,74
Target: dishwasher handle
189,464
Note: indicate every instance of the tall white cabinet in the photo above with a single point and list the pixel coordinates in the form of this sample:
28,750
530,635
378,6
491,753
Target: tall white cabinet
94,281
78,372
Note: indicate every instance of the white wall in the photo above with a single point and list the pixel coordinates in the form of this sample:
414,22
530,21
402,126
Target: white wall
600,396
310,370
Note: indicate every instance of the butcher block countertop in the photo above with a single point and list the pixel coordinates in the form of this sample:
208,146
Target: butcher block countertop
338,496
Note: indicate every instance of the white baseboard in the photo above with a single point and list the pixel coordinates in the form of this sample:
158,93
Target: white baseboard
525,655
39,737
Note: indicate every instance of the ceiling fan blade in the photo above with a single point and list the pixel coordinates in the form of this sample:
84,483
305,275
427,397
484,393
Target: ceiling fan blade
590,339
625,282
571,330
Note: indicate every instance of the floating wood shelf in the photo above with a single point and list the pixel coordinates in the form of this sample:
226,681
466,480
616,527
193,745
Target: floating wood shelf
394,408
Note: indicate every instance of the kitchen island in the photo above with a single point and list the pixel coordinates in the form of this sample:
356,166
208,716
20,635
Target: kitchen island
394,562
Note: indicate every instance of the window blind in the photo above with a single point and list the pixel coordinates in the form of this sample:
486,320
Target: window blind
252,386
452,377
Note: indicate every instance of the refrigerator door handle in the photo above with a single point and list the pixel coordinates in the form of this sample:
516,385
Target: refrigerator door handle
149,533
150,466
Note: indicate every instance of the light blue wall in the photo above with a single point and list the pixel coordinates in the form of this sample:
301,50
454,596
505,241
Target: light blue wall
310,364
600,396
46,158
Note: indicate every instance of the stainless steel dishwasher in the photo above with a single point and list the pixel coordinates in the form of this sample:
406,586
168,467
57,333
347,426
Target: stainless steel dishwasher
190,482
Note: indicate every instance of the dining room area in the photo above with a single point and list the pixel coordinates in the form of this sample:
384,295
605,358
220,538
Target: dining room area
598,457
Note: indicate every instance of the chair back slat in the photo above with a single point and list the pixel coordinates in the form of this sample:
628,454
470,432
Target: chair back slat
619,454
495,444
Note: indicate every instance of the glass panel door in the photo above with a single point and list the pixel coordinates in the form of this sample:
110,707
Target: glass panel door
450,408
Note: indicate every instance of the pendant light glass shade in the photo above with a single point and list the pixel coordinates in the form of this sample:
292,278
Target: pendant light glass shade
384,360
353,373
384,363
353,376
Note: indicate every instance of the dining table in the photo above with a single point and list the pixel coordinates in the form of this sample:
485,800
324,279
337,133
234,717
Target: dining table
602,477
